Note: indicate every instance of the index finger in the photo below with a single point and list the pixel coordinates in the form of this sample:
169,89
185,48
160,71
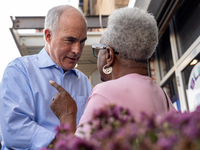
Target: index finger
57,86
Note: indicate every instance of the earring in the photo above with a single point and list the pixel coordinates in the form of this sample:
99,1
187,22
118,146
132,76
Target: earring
107,70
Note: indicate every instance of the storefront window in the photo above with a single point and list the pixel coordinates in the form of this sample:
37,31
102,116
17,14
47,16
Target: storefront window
171,89
187,24
164,54
191,81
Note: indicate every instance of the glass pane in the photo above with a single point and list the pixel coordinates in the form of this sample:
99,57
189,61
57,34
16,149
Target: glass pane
152,70
171,89
191,82
164,54
187,24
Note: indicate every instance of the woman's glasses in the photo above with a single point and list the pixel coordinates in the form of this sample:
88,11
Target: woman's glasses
97,47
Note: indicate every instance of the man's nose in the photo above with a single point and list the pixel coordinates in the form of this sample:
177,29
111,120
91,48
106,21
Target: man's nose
76,48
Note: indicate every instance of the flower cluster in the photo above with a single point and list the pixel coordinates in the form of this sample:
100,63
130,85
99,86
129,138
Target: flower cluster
113,128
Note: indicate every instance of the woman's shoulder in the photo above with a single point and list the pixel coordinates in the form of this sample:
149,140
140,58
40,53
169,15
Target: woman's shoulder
104,85
108,87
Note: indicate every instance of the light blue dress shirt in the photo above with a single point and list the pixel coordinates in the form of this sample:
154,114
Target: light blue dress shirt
26,119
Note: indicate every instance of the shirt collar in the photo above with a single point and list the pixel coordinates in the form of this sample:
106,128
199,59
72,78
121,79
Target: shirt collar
44,61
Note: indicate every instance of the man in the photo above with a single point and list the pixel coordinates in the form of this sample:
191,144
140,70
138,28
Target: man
27,122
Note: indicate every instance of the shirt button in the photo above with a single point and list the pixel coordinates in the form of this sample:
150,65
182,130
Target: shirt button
56,66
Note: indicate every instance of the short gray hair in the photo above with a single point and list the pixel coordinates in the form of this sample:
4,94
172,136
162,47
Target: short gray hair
132,32
53,15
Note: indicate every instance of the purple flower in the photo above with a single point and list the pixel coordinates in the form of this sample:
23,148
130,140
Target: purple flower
130,131
81,144
62,145
148,120
117,144
165,143
191,131
114,128
100,113
101,134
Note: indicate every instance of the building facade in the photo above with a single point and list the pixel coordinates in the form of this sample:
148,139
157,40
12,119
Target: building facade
174,65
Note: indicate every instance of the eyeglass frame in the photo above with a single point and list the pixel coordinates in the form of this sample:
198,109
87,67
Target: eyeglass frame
101,47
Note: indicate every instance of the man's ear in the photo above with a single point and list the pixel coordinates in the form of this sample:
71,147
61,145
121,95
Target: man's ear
110,56
48,35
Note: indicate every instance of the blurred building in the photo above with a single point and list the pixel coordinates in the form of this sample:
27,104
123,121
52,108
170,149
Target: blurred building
170,66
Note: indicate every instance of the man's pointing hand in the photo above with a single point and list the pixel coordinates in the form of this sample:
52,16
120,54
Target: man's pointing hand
64,106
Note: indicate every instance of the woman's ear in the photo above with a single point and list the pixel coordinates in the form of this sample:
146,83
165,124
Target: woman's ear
110,56
48,35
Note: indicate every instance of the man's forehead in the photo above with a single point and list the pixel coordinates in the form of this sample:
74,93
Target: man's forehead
75,38
71,12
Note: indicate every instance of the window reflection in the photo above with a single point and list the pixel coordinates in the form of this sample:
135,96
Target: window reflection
171,89
187,24
164,54
191,94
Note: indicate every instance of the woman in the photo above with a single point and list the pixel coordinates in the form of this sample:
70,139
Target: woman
128,42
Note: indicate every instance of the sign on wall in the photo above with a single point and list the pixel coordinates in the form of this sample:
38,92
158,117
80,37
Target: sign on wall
193,91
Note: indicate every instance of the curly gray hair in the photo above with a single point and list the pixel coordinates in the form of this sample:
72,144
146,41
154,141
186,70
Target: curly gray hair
132,32
53,15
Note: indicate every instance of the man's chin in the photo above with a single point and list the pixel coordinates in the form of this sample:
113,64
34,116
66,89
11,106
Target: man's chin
68,68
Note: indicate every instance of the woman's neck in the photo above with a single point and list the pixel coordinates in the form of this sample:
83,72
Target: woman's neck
122,69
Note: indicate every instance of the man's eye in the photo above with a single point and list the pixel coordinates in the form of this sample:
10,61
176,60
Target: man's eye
82,42
69,41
